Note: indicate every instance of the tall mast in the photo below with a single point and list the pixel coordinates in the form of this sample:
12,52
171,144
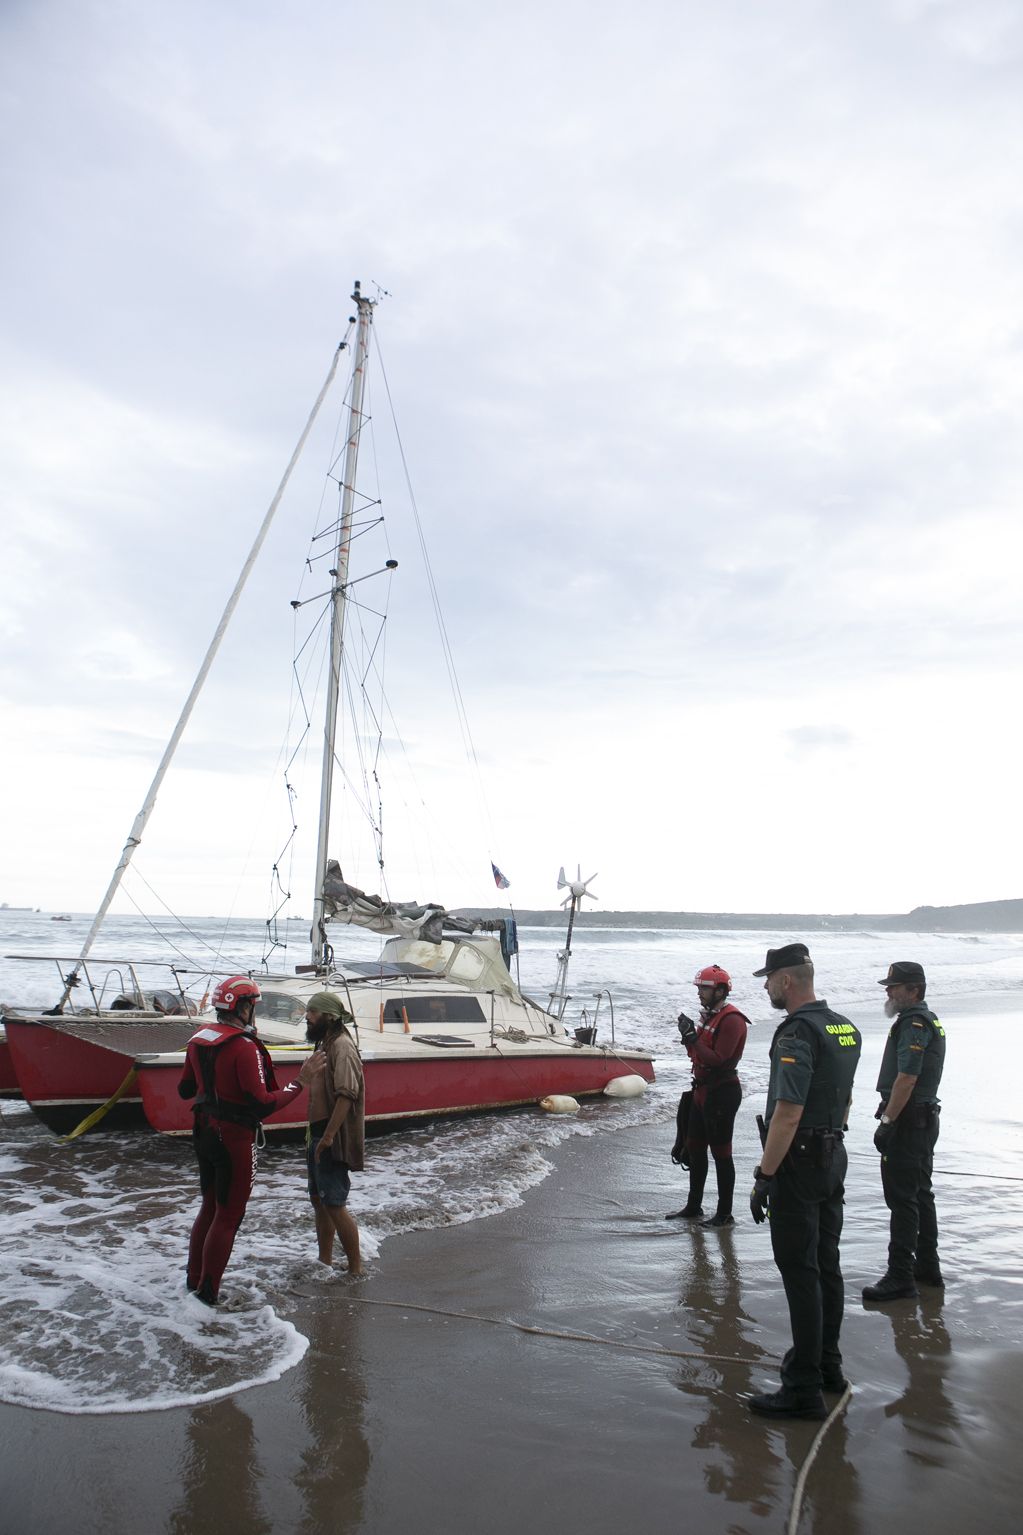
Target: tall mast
364,319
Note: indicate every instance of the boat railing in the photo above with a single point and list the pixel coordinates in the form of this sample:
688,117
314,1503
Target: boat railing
98,976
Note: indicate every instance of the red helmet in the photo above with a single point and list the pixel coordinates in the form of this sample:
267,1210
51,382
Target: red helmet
237,988
713,975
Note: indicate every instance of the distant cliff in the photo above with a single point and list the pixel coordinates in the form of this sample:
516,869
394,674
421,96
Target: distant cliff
980,917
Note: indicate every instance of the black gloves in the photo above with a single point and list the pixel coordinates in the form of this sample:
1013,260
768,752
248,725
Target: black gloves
883,1136
687,1028
760,1199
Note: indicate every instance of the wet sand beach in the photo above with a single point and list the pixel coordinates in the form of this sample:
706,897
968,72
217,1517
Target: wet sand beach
402,1418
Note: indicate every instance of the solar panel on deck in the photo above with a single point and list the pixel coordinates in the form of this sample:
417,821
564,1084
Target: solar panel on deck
445,1041
386,970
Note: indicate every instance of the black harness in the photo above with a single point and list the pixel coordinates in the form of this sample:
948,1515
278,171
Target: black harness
208,1103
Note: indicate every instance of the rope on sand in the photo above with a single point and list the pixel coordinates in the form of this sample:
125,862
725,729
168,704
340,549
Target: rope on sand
799,1490
545,1332
811,1455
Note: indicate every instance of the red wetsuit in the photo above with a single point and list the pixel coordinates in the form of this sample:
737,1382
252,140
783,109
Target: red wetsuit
717,1050
230,1073
715,1053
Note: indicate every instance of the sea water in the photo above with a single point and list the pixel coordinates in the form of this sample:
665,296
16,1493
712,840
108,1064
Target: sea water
95,1317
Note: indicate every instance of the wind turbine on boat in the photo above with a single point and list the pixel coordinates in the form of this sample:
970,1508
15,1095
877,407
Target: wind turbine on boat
577,888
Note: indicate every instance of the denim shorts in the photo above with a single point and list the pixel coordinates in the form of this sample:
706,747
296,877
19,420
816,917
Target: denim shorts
329,1181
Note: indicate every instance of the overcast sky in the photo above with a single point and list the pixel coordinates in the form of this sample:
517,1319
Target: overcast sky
705,340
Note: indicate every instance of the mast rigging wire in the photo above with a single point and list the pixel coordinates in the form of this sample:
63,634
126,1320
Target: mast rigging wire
461,712
139,824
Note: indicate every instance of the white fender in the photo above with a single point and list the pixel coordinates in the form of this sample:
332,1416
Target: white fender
559,1103
625,1087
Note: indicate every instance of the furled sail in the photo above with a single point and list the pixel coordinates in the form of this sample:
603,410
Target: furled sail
343,902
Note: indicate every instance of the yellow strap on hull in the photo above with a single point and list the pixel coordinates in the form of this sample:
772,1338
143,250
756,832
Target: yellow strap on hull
104,1108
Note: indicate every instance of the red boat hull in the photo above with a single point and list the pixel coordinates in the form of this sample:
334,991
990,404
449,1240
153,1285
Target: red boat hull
64,1078
8,1078
401,1090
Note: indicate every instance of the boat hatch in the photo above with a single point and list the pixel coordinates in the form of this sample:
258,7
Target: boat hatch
445,1041
433,1010
387,969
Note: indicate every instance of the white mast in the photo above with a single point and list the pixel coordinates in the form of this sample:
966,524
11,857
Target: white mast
139,824
364,318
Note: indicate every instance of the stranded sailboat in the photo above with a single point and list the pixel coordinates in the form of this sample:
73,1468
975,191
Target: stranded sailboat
442,1025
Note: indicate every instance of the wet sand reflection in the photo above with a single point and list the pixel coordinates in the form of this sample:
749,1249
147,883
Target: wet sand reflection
710,1300
925,1407
220,1474
334,1463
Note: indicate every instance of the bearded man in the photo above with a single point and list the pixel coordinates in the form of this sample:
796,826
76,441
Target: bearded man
911,1067
335,1139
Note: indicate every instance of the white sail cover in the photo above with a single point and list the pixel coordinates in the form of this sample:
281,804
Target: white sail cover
401,919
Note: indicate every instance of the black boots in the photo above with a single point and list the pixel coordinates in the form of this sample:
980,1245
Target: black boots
786,1404
890,1287
929,1274
687,1213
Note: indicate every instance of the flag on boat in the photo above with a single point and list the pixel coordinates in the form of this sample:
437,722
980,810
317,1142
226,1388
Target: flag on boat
499,879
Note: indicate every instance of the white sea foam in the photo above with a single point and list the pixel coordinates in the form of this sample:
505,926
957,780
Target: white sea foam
94,1312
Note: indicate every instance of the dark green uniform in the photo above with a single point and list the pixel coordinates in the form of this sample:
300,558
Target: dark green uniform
916,1047
814,1055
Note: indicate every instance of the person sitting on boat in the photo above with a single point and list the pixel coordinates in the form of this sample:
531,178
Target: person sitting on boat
335,1140
229,1073
706,1114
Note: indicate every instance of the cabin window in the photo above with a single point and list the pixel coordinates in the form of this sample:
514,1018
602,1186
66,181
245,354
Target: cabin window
466,964
433,1010
281,1007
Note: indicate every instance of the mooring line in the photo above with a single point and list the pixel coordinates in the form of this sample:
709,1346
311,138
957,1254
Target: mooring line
799,1490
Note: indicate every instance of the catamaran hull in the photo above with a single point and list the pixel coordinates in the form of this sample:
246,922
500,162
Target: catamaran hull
64,1077
8,1077
412,1089
69,1067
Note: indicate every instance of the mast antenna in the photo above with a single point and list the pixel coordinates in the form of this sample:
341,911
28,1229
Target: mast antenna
577,888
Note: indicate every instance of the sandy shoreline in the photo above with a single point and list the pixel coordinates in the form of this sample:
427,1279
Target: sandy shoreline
399,1418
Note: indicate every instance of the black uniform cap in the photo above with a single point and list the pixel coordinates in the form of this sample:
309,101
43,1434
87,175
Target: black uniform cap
783,959
904,972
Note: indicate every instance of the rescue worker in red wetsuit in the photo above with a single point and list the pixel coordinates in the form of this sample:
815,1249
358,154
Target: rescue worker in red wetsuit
706,1114
229,1073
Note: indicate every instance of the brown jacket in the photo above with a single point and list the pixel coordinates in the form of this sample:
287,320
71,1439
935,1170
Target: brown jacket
343,1078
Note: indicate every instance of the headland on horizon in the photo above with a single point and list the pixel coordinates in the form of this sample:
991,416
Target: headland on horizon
977,917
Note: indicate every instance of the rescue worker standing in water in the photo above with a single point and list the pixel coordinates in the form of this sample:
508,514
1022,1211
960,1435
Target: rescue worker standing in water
706,1114
911,1067
801,1178
229,1073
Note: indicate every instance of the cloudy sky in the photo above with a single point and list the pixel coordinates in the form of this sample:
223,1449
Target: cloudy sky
705,340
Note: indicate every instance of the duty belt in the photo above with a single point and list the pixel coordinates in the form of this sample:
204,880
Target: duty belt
816,1146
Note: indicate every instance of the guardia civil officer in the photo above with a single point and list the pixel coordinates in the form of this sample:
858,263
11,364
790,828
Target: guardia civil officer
801,1178
911,1067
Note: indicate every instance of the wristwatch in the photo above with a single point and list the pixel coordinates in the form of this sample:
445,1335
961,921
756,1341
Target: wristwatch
886,1121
